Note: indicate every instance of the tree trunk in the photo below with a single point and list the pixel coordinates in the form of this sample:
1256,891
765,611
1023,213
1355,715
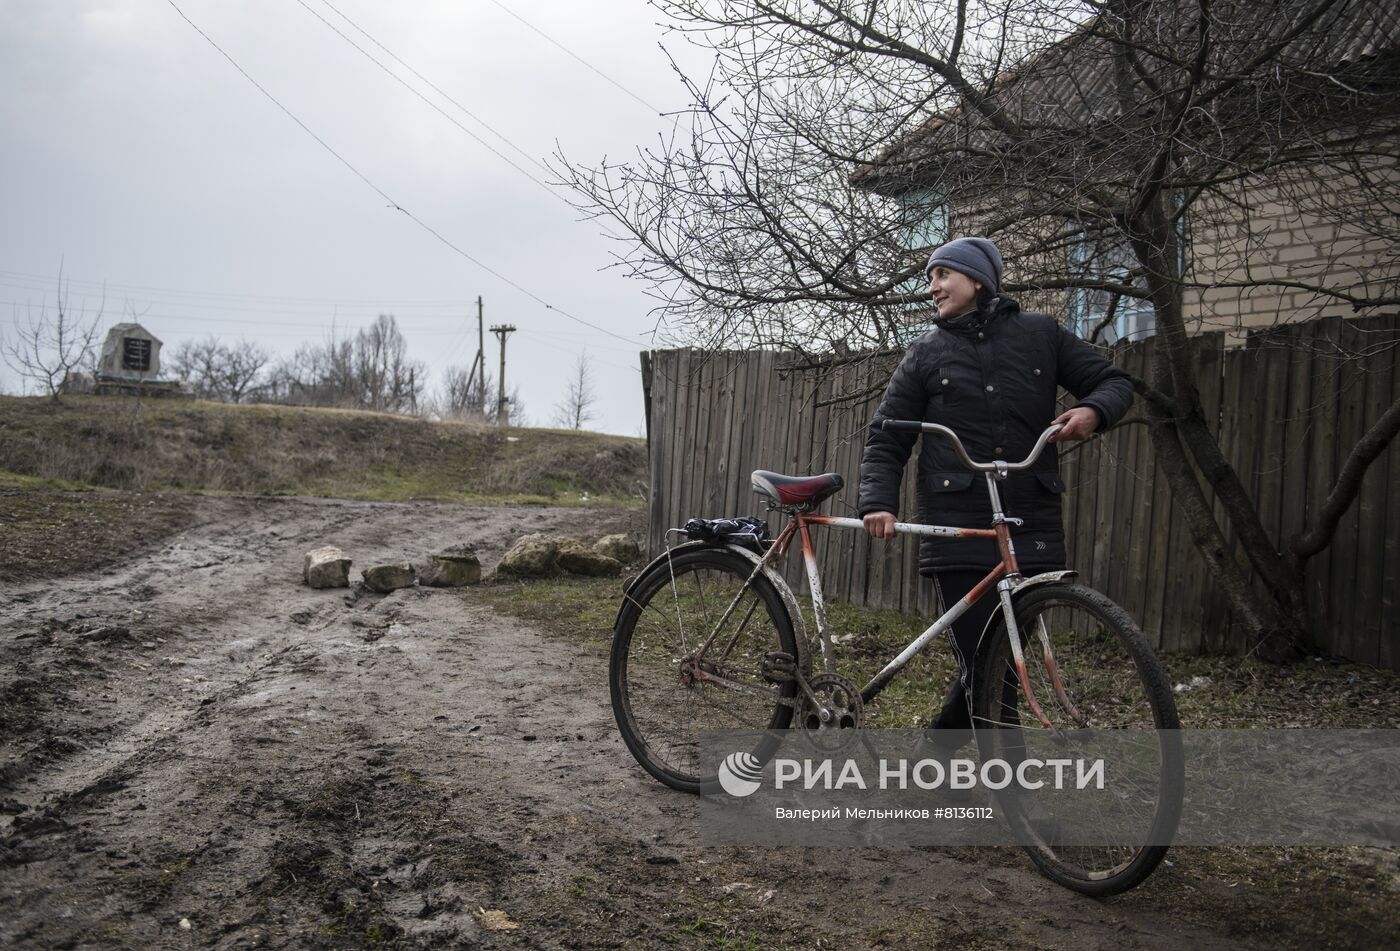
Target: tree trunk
1276,621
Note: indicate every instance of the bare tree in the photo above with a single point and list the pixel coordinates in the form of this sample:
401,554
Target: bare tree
386,378
458,397
1102,143
47,348
369,370
580,398
455,400
218,371
462,398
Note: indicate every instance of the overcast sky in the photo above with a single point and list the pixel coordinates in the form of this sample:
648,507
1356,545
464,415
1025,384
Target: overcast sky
134,154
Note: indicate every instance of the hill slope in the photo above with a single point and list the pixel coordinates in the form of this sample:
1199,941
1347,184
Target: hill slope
195,446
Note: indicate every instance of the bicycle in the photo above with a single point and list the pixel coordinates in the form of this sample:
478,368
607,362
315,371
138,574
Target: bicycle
710,636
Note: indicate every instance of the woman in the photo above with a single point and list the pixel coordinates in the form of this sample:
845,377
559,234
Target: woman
989,371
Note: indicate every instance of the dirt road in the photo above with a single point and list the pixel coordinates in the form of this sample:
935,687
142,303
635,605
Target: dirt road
200,752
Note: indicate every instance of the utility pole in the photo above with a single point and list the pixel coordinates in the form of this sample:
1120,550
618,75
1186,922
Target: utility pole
502,404
481,358
478,365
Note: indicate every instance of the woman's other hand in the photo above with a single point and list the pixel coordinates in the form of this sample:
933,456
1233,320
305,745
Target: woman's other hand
1080,423
879,524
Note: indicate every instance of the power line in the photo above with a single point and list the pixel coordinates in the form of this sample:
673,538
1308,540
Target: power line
591,357
49,282
439,90
361,310
570,52
431,85
382,194
408,317
261,327
442,112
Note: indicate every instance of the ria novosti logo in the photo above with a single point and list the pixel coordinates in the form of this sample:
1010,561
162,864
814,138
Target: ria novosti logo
739,774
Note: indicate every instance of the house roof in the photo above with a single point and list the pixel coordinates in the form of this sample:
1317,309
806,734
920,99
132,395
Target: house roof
1067,83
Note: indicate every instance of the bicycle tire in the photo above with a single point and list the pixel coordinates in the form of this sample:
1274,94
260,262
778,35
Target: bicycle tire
659,715
1112,677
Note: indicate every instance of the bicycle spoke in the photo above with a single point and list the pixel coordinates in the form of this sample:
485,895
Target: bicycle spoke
661,682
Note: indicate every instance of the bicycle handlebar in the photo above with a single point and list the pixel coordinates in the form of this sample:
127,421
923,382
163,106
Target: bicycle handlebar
914,426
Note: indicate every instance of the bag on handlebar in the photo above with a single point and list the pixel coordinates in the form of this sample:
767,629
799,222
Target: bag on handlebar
750,532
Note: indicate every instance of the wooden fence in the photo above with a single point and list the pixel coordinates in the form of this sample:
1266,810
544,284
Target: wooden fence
1287,406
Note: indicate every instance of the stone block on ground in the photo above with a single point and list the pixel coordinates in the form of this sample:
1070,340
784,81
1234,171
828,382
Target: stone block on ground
532,556
391,577
326,567
579,559
452,567
621,548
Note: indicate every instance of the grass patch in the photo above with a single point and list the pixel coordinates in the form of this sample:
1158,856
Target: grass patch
581,610
1228,692
1314,693
868,638
14,480
48,527
193,446
1307,897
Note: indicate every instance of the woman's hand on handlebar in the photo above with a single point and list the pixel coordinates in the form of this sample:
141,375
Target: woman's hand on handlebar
1081,422
879,524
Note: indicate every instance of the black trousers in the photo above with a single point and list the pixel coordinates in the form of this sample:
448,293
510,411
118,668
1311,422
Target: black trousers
956,714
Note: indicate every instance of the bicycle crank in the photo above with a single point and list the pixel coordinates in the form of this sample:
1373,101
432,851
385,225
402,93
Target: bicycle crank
830,702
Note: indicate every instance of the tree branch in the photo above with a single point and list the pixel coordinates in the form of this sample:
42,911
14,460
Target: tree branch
1345,489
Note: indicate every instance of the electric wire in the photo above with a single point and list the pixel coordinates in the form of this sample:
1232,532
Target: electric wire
438,89
48,281
440,111
276,328
571,53
441,92
384,195
372,311
432,85
337,316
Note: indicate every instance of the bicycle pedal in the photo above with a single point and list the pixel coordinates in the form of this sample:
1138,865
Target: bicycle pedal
778,667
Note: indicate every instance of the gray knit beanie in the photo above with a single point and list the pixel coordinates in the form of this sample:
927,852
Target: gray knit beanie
978,258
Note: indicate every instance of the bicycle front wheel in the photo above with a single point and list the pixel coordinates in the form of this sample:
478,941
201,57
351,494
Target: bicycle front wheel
663,697
1113,702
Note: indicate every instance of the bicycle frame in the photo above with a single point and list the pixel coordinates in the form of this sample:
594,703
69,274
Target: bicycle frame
1005,578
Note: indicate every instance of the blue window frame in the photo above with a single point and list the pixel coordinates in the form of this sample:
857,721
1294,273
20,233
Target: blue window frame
1133,318
924,220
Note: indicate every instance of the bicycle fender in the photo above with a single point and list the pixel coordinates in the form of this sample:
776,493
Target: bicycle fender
799,626
1034,581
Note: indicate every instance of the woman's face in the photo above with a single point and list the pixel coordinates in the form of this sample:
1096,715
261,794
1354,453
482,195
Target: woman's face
953,292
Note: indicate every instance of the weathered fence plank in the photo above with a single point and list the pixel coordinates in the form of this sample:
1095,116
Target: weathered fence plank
1191,613
1389,654
1324,385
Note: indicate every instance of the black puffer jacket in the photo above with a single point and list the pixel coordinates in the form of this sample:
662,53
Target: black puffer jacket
991,377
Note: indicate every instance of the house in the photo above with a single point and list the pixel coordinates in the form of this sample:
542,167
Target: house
1281,188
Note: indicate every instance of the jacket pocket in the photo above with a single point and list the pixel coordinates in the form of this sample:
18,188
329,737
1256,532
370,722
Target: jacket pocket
1051,481
950,481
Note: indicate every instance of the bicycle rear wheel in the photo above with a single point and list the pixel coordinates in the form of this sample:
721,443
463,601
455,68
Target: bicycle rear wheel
1126,716
661,702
